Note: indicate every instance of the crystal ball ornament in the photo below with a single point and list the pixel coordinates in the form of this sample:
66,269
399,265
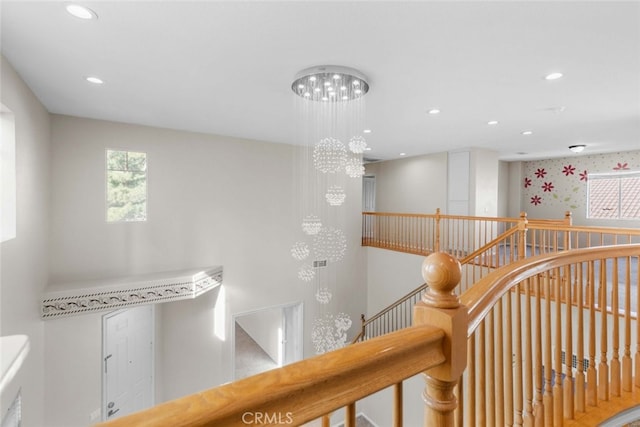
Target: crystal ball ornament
306,273
357,144
335,195
354,167
343,323
329,155
300,250
311,225
330,244
323,295
330,332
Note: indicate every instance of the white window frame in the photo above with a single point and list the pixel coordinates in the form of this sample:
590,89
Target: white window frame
106,187
619,176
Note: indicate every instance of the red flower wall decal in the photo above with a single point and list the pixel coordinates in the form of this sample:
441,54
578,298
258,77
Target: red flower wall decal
527,182
536,200
540,173
621,166
583,176
568,170
547,186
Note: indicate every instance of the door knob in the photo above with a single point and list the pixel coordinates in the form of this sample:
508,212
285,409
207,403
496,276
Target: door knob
111,412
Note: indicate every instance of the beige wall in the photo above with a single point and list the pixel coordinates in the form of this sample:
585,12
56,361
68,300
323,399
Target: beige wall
212,200
569,188
24,260
416,184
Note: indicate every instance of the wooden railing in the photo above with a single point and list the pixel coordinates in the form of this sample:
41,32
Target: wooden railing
307,390
522,238
396,316
545,338
423,234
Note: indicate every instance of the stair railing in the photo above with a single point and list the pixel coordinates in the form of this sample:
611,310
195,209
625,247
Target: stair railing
396,316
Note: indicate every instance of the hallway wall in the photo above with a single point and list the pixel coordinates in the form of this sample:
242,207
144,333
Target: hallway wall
24,259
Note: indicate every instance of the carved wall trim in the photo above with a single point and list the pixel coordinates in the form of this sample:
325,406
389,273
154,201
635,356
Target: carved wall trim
63,300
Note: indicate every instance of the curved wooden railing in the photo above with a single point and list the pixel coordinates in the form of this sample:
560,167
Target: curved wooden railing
545,326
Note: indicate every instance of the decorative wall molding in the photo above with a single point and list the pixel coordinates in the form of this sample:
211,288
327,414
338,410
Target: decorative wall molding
69,299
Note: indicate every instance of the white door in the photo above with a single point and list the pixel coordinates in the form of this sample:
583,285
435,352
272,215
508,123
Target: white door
128,361
291,333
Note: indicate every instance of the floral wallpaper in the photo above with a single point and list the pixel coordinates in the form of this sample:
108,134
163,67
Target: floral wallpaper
561,184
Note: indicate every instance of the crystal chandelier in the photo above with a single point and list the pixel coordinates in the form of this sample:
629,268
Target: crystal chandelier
330,83
330,124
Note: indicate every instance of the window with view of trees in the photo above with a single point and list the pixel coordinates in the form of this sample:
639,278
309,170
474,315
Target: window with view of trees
614,195
126,186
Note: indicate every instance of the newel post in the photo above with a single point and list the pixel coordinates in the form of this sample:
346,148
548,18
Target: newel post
522,235
568,218
440,307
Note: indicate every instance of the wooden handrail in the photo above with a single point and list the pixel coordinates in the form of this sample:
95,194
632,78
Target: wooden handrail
306,390
583,228
484,295
390,307
445,216
561,356
488,246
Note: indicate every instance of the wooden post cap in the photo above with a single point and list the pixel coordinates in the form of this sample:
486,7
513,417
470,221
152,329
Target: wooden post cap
442,272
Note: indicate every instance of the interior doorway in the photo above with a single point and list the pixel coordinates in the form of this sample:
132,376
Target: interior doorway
368,193
267,338
127,357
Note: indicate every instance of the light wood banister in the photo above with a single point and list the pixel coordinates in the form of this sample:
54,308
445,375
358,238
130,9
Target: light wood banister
488,245
481,297
305,390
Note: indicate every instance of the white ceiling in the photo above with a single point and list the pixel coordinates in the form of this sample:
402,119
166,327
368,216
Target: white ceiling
226,67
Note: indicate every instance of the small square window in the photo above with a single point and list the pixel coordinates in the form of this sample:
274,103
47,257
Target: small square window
126,186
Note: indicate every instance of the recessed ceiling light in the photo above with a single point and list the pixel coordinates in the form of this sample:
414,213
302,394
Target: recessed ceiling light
527,132
95,80
81,11
492,122
367,149
553,76
403,154
434,111
367,131
577,148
